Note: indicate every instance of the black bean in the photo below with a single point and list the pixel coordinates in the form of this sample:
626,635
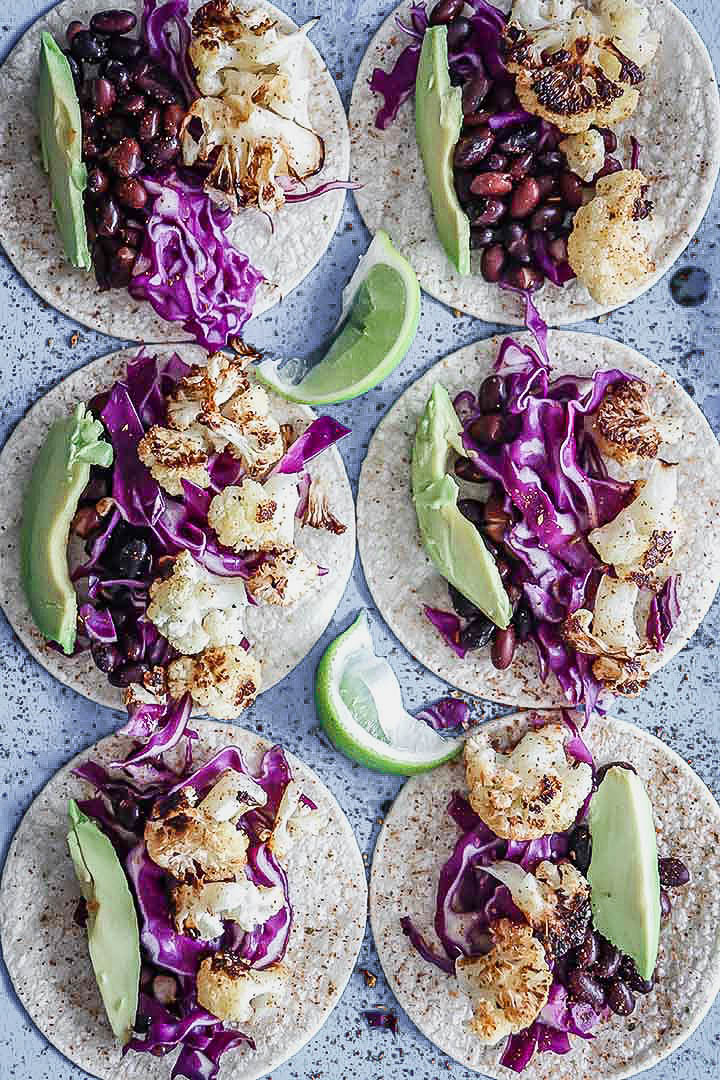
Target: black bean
665,906
464,607
584,988
482,237
477,634
104,95
525,198
106,657
547,185
552,161
488,430
492,394
126,49
100,267
97,182
445,11
116,127
132,236
128,813
558,248
156,89
503,648
522,165
127,674
547,217
90,47
517,242
73,29
602,771
608,963
496,162
493,262
121,267
162,151
131,193
504,96
172,118
125,159
475,120
133,559
620,998
474,93
587,953
118,74
523,621
76,68
149,124
107,220
91,147
113,22
580,847
520,141
631,976
571,189
131,646
463,180
471,149
487,212
132,104
673,873
459,30
473,510
465,470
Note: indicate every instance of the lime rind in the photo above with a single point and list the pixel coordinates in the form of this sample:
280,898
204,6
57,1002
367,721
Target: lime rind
352,654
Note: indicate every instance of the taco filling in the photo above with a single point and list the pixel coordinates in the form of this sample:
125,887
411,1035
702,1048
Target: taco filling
515,122
549,909
180,495
546,545
154,142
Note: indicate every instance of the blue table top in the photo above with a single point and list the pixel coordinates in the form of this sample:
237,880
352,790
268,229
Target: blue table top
43,724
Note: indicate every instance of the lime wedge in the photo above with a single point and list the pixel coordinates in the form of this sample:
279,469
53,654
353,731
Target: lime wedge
381,311
360,707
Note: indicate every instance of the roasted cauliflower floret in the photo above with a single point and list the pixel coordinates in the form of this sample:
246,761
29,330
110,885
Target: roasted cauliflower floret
628,678
256,517
626,427
509,986
232,795
174,456
283,577
207,389
194,608
639,540
188,842
555,900
248,430
609,630
293,815
531,792
609,246
576,64
221,681
318,513
585,153
230,990
201,908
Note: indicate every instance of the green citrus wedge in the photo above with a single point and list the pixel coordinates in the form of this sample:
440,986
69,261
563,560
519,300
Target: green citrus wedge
360,707
381,311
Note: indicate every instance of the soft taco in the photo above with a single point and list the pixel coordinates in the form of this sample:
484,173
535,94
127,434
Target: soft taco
547,508
222,896
549,136
171,196
205,548
548,896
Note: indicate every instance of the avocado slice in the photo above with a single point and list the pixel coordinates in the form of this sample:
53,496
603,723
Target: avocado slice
452,542
59,476
623,872
438,122
113,934
61,144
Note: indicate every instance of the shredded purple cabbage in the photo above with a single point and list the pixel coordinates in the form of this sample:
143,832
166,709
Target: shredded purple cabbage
449,626
98,624
664,612
187,268
156,28
450,714
319,436
169,727
321,189
635,153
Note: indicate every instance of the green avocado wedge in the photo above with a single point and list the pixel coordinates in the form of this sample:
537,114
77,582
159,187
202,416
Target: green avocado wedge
452,542
112,925
61,144
438,122
59,476
623,873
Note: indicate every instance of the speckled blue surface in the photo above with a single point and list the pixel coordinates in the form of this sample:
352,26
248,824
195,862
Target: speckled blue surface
42,724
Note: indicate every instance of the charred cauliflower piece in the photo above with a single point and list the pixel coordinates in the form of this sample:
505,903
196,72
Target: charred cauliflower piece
233,992
609,246
221,681
508,987
188,842
628,678
283,577
206,389
638,542
626,427
256,517
578,64
194,608
555,900
201,908
174,456
585,153
232,795
531,792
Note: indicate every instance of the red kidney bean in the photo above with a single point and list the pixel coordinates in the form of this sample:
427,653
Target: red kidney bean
474,92
608,963
488,430
85,521
471,149
488,212
445,11
103,95
131,193
552,160
130,645
90,47
149,124
107,219
76,68
125,159
517,242
465,470
459,30
113,22
157,90
106,657
127,674
558,248
571,189
473,510
524,277
634,980
612,165
588,952
495,162
162,151
504,569
522,165
463,180
132,236
477,634
673,873
90,147
482,237
116,128
126,49
610,140
503,648
492,394
89,121
473,120
620,998
504,96
172,118
132,104
665,906
97,182
547,217
525,198
73,29
491,183
547,185
118,74
584,988
493,262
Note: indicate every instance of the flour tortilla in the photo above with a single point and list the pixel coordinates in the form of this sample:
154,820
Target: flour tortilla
677,123
285,254
46,952
401,576
417,838
281,637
